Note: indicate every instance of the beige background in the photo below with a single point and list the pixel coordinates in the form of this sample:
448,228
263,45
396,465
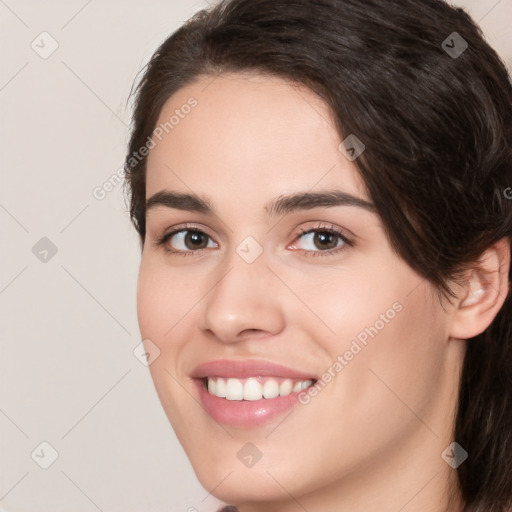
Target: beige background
68,325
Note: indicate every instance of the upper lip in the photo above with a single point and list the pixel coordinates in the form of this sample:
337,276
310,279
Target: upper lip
246,369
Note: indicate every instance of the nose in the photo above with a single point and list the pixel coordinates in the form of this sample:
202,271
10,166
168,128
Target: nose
243,302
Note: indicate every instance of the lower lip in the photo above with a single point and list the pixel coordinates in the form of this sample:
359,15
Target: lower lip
245,413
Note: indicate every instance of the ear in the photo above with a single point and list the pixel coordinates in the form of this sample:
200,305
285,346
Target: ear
483,293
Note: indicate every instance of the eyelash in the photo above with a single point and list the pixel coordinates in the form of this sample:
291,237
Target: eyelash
329,230
161,241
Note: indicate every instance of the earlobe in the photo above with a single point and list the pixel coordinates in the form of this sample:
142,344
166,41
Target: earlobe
484,293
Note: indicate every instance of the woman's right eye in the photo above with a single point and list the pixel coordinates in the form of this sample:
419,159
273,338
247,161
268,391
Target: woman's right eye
185,241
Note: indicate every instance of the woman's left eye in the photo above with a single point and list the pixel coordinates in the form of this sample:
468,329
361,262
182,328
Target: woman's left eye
328,240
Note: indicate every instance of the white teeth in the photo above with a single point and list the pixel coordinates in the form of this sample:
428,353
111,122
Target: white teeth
270,389
251,389
286,387
234,390
221,388
299,386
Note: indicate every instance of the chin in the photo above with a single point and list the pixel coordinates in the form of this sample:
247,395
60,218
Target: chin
241,487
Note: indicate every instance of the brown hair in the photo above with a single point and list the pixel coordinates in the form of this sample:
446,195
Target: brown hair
435,118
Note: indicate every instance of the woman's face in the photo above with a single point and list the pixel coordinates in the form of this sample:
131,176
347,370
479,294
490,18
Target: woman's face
263,295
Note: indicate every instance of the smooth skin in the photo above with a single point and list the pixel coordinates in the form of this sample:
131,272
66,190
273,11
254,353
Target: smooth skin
372,438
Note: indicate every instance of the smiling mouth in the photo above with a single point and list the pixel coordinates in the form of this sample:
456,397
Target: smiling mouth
254,388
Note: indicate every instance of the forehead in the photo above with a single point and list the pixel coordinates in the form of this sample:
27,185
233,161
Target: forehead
247,135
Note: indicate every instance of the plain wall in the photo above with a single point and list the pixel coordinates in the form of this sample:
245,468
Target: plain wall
68,323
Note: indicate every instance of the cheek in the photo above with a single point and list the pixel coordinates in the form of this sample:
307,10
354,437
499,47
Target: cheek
160,310
391,369
151,307
165,300
161,300
350,301
388,344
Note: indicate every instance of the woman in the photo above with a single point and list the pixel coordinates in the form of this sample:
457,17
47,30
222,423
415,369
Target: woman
320,189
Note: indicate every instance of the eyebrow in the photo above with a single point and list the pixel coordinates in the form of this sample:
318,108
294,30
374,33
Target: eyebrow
279,206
